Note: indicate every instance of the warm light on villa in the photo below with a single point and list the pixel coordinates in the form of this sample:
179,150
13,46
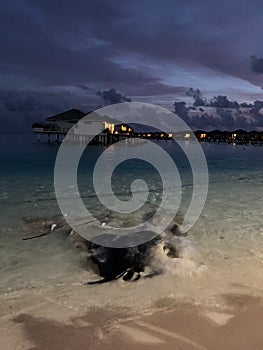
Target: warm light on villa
109,126
57,126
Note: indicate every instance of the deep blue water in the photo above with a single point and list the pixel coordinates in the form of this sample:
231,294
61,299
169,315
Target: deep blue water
26,182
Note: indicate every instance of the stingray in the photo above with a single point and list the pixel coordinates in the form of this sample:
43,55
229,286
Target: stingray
43,226
114,263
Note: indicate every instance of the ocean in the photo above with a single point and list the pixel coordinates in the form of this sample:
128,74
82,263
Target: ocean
221,256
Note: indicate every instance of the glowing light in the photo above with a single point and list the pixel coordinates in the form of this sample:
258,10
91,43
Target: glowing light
109,126
187,136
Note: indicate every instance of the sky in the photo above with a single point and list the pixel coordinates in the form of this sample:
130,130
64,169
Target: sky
56,55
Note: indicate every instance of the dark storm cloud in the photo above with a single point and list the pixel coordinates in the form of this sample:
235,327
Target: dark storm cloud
83,87
30,104
219,35
223,119
257,64
111,96
19,110
95,45
74,42
40,45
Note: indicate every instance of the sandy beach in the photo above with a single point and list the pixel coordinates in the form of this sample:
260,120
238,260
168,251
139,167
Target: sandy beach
49,324
212,303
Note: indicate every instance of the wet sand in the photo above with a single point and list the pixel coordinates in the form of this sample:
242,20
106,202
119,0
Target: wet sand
44,303
50,325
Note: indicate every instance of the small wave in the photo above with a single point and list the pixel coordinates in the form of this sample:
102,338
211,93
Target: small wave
185,261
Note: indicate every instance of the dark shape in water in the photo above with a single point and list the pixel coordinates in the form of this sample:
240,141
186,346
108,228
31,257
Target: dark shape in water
43,226
114,263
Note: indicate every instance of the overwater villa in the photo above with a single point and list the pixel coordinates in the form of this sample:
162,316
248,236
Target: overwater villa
109,131
72,124
238,136
106,129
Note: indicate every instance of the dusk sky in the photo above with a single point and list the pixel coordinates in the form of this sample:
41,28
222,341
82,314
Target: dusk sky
56,55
